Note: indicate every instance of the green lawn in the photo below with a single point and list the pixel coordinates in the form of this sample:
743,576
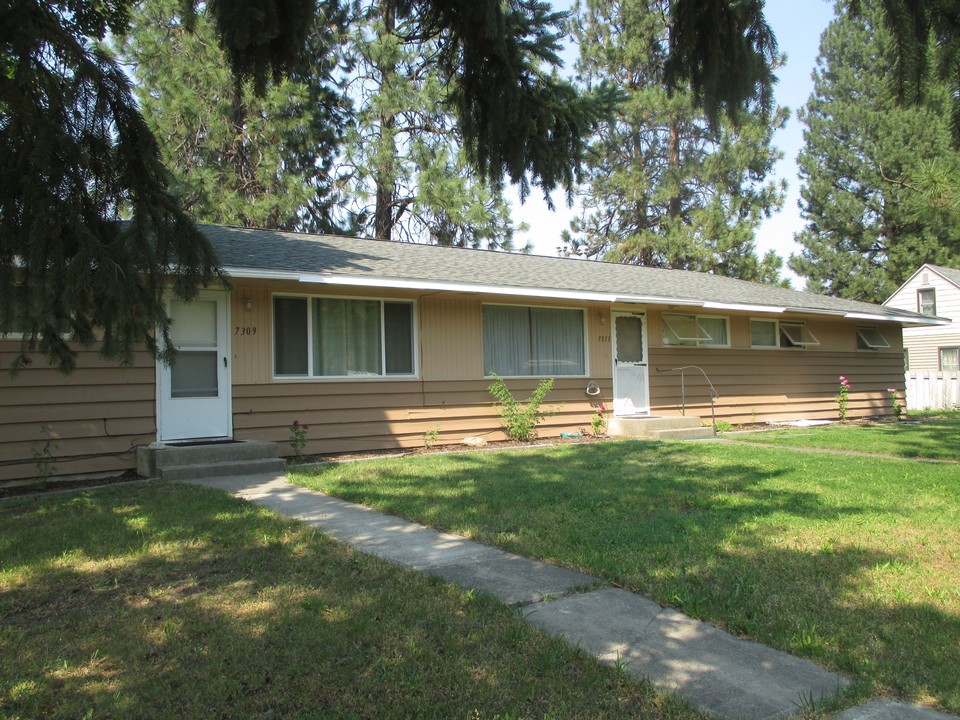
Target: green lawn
171,601
852,561
936,437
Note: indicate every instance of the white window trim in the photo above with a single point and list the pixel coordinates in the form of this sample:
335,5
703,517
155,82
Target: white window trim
415,341
776,334
705,340
866,341
933,292
940,357
585,338
804,330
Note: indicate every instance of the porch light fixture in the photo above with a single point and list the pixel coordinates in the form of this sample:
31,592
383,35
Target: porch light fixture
248,303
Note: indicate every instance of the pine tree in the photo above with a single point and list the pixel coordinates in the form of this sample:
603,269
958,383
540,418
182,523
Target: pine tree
75,156
408,172
237,158
866,231
664,187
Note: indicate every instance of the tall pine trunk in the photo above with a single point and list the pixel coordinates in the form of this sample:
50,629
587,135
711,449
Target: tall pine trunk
386,157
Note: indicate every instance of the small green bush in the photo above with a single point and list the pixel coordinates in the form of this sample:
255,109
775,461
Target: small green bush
520,420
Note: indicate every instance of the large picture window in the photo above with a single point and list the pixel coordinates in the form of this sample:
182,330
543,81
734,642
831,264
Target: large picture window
339,337
534,341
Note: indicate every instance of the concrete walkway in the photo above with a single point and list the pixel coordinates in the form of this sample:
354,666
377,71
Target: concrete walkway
715,671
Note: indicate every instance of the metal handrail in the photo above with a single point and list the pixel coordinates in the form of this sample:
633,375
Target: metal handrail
714,395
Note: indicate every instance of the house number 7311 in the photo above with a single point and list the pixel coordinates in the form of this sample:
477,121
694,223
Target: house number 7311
248,330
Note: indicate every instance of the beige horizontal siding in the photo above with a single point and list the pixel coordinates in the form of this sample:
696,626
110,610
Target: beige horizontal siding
924,345
344,417
97,415
762,386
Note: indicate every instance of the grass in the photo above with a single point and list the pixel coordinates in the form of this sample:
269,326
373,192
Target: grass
933,437
170,601
851,561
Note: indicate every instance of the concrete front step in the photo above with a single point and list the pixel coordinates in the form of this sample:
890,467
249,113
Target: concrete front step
172,460
678,428
697,433
228,468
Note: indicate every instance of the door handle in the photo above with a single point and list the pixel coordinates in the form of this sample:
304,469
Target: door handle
224,360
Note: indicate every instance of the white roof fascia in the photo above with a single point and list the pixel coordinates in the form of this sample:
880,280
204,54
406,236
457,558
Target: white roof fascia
248,274
742,307
455,287
894,318
656,300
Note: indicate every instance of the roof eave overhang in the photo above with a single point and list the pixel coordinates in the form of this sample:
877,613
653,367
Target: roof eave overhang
556,294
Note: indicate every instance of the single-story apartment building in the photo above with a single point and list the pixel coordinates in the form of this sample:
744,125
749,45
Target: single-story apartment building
376,344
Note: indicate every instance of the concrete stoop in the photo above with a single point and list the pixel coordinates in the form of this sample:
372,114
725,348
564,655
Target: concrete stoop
660,428
195,460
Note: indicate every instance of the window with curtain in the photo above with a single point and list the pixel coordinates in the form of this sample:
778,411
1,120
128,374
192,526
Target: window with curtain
764,333
340,337
949,359
534,341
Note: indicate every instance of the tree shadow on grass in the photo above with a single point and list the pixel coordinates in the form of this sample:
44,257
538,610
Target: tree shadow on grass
740,541
177,601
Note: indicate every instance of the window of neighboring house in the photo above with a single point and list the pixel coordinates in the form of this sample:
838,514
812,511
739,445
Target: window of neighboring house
695,330
927,301
533,341
796,335
869,338
764,334
950,359
339,337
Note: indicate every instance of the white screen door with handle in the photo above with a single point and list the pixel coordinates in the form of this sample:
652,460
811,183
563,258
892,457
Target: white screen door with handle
631,393
194,393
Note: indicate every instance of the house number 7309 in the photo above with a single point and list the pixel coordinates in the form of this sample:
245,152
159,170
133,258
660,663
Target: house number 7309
248,330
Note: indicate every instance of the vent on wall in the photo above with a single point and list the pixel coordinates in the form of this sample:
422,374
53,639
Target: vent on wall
925,278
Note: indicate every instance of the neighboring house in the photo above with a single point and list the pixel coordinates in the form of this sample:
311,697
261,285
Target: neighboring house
933,291
932,352
374,344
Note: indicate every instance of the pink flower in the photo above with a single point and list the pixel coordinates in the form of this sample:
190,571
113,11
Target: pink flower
891,390
602,407
296,422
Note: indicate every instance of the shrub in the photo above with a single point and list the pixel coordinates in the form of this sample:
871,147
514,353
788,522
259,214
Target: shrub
298,439
843,397
598,421
520,420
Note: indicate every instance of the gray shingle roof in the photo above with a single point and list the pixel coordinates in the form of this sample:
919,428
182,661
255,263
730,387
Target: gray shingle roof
269,252
951,274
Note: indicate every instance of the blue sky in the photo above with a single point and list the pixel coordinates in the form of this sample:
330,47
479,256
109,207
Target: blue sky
797,25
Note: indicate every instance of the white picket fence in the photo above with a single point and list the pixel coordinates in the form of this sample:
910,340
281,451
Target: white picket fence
933,390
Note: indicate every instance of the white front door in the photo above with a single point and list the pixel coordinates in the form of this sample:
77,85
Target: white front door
631,393
193,393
